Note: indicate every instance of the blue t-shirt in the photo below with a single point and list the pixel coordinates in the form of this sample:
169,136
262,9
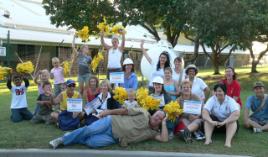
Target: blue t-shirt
130,82
261,115
83,64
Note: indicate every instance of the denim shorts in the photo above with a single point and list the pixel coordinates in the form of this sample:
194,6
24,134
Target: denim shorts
83,78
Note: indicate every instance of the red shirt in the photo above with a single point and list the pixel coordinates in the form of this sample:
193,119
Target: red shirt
233,90
92,95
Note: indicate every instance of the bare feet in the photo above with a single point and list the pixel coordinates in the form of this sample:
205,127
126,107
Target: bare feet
227,145
207,142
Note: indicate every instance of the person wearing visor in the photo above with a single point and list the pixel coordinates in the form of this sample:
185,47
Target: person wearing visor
62,99
114,52
130,80
199,87
258,105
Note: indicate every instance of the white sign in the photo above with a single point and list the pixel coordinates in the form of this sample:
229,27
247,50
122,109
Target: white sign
91,106
117,77
3,51
74,105
192,107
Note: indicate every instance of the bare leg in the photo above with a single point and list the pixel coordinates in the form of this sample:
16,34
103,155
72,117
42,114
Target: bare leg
253,124
230,131
265,127
194,125
208,132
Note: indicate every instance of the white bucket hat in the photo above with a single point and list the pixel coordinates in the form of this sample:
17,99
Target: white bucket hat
128,61
158,79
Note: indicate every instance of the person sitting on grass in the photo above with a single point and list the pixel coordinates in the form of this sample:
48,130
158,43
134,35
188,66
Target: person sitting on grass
258,104
41,77
123,126
192,122
62,100
45,105
221,111
19,105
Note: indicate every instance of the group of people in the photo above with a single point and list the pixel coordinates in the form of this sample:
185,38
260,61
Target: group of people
110,122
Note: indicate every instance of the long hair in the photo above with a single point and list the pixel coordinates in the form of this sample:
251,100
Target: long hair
167,63
234,76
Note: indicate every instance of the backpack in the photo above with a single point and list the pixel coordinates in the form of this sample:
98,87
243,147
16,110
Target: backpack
67,122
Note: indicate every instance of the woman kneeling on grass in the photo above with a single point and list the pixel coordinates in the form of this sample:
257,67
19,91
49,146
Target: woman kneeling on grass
222,112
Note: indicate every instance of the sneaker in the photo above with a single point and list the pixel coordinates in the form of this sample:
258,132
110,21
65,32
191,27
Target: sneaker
199,135
257,130
56,142
187,136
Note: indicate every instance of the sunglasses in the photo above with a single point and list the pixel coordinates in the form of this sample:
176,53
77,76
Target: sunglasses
71,85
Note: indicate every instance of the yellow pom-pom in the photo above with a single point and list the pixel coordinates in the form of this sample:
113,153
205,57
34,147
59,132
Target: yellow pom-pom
96,60
26,67
83,33
103,27
173,110
141,94
66,67
4,71
118,29
120,94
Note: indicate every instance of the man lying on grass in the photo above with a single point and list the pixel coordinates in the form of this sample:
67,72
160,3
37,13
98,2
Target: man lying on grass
121,126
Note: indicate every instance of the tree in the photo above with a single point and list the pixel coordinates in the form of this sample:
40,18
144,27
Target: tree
257,29
79,13
217,24
167,15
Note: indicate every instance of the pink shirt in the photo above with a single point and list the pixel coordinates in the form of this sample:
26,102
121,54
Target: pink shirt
58,75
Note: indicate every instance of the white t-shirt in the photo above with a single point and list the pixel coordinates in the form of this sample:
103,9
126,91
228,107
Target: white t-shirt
18,97
198,87
155,73
176,76
58,75
114,58
221,111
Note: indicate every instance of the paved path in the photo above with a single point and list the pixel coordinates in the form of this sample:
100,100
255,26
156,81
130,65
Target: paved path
97,153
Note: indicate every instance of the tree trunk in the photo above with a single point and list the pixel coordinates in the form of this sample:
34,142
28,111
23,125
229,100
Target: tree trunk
254,66
215,63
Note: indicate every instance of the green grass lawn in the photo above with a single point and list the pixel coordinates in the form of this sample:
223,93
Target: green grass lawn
27,135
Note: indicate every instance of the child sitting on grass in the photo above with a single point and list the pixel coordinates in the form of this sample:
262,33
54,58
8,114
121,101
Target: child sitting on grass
41,77
131,102
19,104
44,101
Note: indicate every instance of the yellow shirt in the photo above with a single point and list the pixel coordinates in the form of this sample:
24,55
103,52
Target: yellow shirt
63,103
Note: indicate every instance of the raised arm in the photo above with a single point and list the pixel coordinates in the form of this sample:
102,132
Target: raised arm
9,86
73,46
123,41
36,77
107,47
26,81
163,137
145,53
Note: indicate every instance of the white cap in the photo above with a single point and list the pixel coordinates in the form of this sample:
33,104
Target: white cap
128,61
158,79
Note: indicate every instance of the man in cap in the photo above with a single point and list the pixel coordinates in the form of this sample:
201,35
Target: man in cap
121,126
258,105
